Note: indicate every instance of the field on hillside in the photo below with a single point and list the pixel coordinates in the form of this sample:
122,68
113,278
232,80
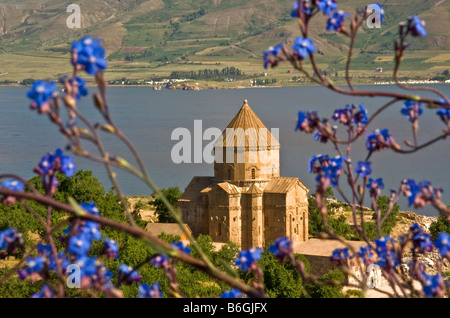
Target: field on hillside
148,39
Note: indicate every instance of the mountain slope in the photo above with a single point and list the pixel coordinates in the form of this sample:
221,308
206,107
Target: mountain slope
159,36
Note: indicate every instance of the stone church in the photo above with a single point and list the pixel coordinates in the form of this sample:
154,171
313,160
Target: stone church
246,202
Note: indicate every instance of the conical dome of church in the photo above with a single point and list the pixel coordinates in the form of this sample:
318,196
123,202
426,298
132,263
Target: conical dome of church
246,124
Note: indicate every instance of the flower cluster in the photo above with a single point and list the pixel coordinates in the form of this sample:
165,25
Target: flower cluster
327,6
14,185
420,194
88,54
77,85
336,21
307,121
233,293
379,140
247,259
147,291
412,110
416,26
375,186
10,241
327,169
274,51
40,93
349,115
341,256
281,248
421,240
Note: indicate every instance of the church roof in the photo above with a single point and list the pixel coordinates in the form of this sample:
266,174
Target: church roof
229,188
254,189
194,188
246,121
282,185
168,228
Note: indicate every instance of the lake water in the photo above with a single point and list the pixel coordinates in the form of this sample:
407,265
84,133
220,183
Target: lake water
148,118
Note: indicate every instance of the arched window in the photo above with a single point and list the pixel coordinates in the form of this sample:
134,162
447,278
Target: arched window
253,173
229,174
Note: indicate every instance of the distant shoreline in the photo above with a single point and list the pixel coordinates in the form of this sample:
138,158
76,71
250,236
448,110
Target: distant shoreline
211,86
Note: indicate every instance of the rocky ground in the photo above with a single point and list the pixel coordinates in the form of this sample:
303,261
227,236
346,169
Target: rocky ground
146,211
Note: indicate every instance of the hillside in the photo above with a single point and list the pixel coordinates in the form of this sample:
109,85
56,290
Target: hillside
146,39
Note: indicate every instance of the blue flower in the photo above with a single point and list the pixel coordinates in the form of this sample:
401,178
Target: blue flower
303,47
160,261
90,207
44,250
326,6
61,256
90,55
307,121
323,160
281,248
56,162
416,26
275,51
443,112
41,92
45,292
180,246
111,248
412,109
68,168
340,255
337,19
378,140
81,84
13,185
35,264
375,186
79,245
363,168
127,273
431,284
442,243
246,259
10,238
327,168
366,255
381,13
306,9
91,230
233,293
361,116
147,291
387,258
422,242
88,266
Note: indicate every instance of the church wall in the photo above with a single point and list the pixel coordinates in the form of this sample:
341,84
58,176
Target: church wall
193,215
274,211
296,215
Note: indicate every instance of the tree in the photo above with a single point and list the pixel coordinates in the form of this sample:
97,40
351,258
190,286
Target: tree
391,220
172,194
442,225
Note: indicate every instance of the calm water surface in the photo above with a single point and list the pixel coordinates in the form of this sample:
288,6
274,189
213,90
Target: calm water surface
148,118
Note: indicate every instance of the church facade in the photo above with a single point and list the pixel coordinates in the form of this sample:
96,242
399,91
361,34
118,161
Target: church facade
246,201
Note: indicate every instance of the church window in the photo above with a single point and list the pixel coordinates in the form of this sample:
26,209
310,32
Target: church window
253,173
229,174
